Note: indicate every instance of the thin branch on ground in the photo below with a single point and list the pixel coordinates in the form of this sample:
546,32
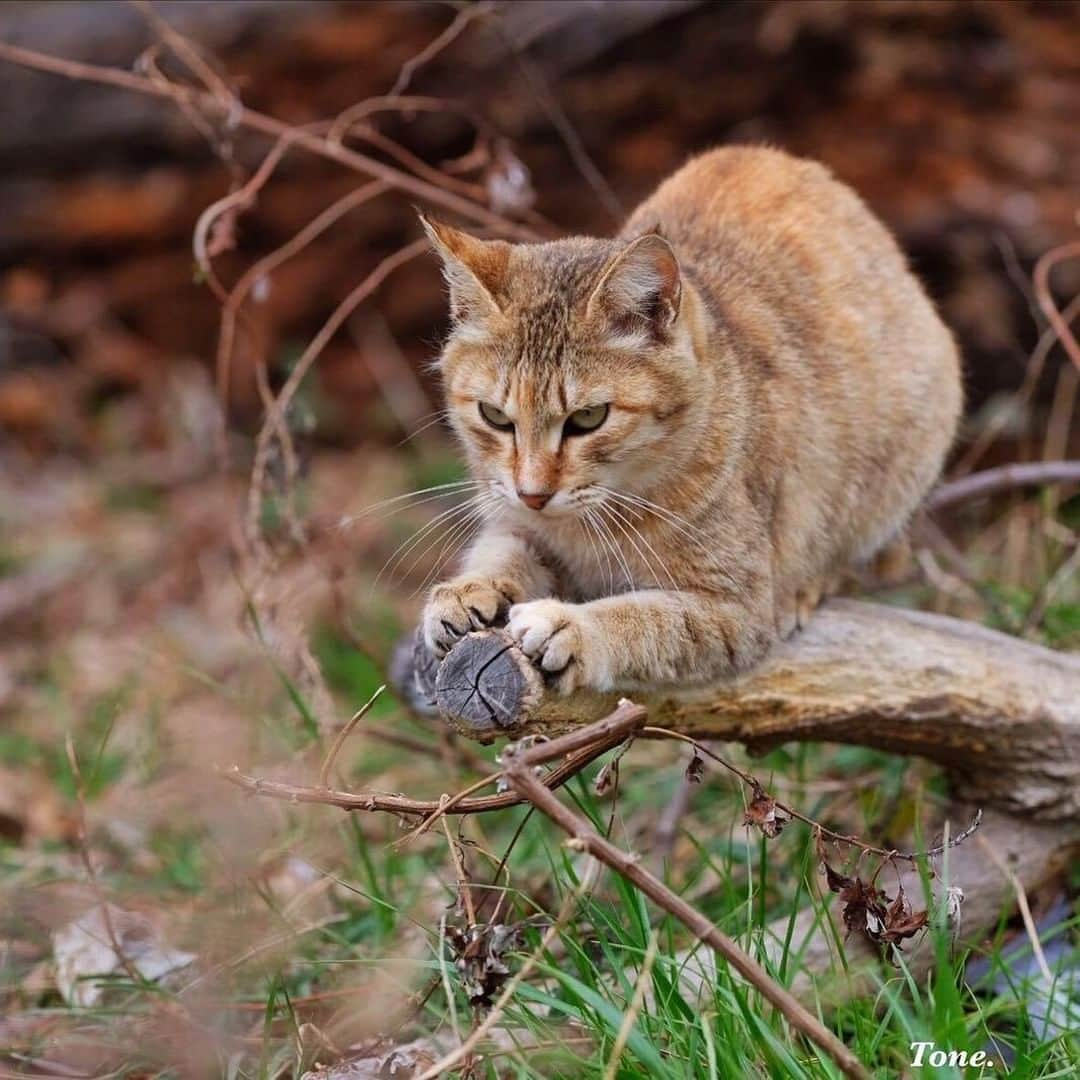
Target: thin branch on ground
579,748
429,809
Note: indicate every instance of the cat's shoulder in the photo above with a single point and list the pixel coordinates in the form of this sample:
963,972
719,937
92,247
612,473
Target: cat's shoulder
746,180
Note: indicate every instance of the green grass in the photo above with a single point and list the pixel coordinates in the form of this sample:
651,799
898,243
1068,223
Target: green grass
567,1019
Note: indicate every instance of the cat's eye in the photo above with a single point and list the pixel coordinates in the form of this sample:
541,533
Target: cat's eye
495,416
583,420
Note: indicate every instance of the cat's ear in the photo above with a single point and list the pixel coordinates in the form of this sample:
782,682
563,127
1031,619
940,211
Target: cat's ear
641,288
475,270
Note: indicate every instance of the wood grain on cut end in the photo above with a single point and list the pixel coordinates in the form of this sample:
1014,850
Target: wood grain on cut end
485,685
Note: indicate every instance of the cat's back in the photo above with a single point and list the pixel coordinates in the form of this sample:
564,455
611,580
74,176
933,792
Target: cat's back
853,380
758,217
799,270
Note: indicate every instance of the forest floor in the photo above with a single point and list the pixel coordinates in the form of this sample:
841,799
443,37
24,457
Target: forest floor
139,659
158,626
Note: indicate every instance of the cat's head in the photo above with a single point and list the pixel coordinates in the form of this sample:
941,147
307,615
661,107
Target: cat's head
570,365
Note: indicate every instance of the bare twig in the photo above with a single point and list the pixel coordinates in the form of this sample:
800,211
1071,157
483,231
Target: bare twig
755,785
1003,478
1032,374
280,407
187,52
519,773
253,120
358,113
464,888
438,44
555,113
343,734
1041,279
422,808
260,270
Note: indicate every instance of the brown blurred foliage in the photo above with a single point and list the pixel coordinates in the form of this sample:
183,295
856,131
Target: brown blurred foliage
955,120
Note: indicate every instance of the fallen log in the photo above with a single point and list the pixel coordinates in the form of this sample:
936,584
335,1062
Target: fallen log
1002,716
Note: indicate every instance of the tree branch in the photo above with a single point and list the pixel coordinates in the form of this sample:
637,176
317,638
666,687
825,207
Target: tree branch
1001,715
1004,478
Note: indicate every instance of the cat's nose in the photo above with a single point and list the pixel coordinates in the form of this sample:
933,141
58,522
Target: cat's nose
535,500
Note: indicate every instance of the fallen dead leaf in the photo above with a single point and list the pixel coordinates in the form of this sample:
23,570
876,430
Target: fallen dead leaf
85,948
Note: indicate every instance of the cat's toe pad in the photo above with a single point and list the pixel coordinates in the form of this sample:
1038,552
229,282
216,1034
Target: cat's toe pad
457,607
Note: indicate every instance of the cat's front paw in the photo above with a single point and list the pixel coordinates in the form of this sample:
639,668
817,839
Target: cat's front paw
457,607
559,639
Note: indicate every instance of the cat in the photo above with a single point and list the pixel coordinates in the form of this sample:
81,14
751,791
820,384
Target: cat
684,434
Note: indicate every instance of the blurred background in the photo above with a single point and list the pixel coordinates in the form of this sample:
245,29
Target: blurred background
168,268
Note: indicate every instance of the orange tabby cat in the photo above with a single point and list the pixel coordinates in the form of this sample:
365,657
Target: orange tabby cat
682,435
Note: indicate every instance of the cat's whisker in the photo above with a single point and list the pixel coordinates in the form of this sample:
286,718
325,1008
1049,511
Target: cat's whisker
444,536
688,529
477,522
587,530
420,534
451,539
612,543
652,551
620,521
442,491
678,524
425,422
590,519
610,546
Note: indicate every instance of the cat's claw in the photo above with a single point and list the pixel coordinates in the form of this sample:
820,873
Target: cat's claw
553,635
455,608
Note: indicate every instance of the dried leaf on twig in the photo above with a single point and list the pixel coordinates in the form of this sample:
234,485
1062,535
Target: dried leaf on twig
869,911
695,770
762,812
481,957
